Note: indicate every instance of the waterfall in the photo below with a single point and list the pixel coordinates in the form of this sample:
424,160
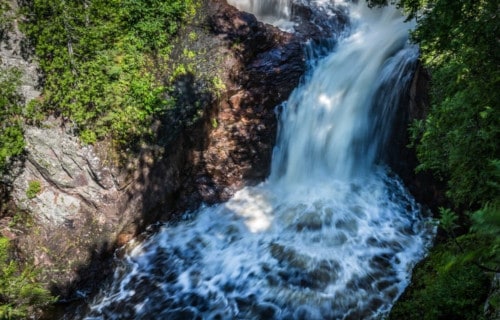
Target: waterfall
332,234
329,127
276,12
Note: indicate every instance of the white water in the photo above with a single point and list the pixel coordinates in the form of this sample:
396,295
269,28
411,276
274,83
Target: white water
330,235
277,12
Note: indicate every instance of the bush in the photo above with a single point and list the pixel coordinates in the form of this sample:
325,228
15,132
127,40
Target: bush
20,293
11,132
444,288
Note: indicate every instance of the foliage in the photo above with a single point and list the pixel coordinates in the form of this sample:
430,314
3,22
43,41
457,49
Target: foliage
34,187
453,281
448,220
154,21
442,288
459,139
486,225
461,134
103,62
11,133
20,293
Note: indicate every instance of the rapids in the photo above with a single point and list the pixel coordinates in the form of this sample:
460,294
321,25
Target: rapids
331,234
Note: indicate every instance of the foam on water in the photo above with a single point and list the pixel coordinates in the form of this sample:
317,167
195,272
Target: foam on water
332,234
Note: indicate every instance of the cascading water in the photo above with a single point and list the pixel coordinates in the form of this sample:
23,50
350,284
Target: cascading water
274,12
330,235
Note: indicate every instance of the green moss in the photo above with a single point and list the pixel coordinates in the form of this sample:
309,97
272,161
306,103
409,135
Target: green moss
88,137
193,36
215,123
189,54
34,188
218,85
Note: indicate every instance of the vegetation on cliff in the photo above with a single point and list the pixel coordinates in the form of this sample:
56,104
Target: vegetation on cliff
458,142
11,133
105,63
20,294
11,101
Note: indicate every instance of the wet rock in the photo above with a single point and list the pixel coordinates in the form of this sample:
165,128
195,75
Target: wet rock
181,314
288,256
415,105
307,313
318,24
491,309
309,221
381,262
265,310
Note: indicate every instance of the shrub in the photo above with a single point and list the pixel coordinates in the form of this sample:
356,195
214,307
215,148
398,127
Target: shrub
20,293
444,288
11,133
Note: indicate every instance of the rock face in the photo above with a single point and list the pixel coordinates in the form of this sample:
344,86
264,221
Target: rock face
85,209
73,215
491,311
77,209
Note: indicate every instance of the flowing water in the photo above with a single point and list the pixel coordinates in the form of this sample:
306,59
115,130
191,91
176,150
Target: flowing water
277,12
331,234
